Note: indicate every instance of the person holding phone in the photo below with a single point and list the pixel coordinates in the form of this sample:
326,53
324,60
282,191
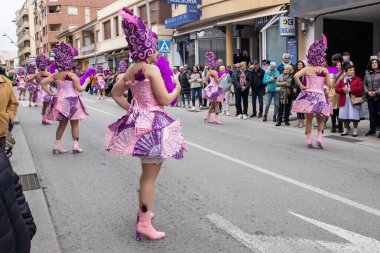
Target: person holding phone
270,79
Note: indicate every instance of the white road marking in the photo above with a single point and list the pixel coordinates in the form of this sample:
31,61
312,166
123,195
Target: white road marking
24,103
276,175
289,180
274,244
365,243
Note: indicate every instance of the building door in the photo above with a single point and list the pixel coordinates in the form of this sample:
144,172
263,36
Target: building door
351,36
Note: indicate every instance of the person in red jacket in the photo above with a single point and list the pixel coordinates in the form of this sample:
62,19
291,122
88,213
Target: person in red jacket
347,87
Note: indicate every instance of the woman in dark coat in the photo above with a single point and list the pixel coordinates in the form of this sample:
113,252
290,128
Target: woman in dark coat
17,227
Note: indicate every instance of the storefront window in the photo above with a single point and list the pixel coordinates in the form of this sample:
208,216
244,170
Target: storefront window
218,46
276,45
187,52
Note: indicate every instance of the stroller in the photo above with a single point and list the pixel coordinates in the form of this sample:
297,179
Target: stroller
10,141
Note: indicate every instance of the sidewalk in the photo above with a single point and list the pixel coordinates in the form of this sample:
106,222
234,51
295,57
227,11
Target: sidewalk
371,141
22,162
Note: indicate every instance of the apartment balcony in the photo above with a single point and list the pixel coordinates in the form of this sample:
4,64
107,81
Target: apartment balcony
23,38
24,51
22,13
90,49
20,28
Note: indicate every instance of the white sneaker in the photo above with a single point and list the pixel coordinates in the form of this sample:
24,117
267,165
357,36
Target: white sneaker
239,116
193,108
244,117
228,113
222,114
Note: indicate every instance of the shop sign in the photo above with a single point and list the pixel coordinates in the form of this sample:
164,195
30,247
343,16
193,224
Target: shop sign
287,26
292,49
194,10
181,20
211,33
185,2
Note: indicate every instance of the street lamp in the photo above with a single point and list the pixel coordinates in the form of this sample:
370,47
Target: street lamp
6,35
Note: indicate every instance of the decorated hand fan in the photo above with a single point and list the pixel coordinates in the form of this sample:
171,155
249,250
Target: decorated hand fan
89,72
167,75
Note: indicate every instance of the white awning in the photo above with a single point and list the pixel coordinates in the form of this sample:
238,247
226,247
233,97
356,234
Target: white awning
257,14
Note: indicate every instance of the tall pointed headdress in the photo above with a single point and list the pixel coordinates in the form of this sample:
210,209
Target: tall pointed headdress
42,62
317,52
123,66
31,69
142,42
211,60
64,56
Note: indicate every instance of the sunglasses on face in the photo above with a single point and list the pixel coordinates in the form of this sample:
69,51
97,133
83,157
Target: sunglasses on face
286,58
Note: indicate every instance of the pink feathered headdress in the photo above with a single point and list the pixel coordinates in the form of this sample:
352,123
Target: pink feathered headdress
211,60
317,52
64,56
142,42
42,62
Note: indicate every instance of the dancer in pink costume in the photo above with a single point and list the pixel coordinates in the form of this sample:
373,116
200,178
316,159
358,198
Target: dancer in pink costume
21,84
66,105
42,63
312,99
213,92
32,85
101,82
146,131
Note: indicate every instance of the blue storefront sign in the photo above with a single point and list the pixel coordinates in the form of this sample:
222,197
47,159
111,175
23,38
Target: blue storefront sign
292,49
181,20
164,46
193,10
185,2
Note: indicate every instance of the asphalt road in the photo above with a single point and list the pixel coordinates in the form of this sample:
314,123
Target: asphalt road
244,186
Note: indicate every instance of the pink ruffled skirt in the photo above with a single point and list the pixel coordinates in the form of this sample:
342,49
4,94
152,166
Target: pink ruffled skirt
213,92
66,108
147,134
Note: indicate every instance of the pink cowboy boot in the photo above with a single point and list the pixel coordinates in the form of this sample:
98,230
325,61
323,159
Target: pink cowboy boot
76,148
144,226
207,117
309,140
216,119
319,140
58,149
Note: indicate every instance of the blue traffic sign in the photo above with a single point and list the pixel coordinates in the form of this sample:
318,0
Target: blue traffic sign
164,46
181,20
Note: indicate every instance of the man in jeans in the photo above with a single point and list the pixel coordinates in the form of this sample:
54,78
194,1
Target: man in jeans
8,108
258,88
240,80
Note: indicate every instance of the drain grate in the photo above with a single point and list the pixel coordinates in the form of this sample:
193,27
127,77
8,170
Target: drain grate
30,182
193,111
341,138
16,123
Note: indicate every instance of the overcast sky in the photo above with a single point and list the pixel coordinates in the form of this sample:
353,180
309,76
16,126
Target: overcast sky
9,8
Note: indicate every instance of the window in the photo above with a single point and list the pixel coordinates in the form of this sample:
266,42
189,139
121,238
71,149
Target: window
87,15
54,9
72,10
107,30
78,43
116,23
55,27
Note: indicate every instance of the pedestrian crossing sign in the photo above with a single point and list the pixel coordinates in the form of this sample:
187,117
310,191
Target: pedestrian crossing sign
164,46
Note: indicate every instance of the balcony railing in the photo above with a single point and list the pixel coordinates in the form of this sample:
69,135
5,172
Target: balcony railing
21,14
88,49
